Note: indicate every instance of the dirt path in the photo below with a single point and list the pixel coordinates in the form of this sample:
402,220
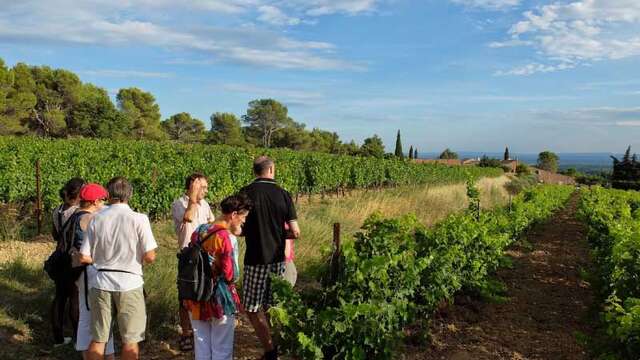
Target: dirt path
547,306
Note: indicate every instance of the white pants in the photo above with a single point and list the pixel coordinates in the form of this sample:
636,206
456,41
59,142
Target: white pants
213,340
83,337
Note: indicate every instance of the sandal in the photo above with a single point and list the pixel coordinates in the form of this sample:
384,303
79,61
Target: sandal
185,343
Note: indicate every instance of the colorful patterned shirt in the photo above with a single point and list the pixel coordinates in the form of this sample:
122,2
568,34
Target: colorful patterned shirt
217,242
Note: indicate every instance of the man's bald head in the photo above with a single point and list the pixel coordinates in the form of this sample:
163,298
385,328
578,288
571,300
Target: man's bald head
264,167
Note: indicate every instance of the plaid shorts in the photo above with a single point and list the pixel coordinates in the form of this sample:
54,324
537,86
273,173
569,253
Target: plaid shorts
256,285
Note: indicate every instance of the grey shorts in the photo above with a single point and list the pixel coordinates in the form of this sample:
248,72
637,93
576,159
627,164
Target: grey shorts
131,314
256,286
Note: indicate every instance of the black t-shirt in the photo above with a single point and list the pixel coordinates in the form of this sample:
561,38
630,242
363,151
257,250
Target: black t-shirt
264,228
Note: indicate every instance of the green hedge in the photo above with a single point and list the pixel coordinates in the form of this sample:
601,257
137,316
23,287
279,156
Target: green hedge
397,272
613,217
157,169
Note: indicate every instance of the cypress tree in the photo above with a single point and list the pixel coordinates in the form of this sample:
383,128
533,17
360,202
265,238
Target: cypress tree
398,151
415,153
411,152
506,154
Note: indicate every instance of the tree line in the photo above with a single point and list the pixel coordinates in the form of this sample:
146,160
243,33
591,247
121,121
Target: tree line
55,103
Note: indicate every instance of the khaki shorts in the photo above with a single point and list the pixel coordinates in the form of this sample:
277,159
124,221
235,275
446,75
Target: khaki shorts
131,314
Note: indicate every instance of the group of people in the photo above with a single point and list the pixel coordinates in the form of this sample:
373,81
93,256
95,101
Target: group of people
107,247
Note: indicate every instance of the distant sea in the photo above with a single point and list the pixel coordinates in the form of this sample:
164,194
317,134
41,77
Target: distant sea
584,162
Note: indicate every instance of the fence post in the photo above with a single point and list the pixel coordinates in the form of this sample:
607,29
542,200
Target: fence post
335,256
38,198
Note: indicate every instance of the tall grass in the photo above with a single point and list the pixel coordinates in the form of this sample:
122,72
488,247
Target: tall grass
26,291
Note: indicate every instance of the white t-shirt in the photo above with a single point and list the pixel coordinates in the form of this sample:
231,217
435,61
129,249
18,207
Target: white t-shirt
203,216
117,238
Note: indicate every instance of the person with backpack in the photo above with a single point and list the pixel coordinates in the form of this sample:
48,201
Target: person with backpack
207,284
118,242
190,211
265,236
92,198
58,265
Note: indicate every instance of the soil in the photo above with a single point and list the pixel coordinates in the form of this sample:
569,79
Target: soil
547,309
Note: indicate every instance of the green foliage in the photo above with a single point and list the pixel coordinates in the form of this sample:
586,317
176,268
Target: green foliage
548,161
142,113
486,161
398,152
264,117
182,127
396,272
520,183
507,156
225,130
157,170
613,217
411,152
448,154
522,169
372,146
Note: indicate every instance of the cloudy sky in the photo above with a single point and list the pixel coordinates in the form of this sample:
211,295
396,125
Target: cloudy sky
473,75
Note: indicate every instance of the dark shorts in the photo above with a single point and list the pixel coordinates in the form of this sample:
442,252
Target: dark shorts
256,286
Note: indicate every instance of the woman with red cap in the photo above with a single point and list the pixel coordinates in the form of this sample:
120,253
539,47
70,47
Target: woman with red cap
92,198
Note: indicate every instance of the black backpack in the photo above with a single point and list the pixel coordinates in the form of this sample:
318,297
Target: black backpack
58,265
195,278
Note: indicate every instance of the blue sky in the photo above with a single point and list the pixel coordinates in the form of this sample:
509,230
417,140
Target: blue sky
472,75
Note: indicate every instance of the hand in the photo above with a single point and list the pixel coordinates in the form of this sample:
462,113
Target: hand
194,191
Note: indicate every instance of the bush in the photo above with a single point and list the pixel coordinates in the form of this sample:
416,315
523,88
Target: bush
523,169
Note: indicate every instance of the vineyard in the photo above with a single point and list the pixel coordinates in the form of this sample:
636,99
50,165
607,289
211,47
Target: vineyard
397,272
157,170
613,217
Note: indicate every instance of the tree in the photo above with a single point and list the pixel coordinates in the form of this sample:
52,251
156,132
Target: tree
182,127
398,151
57,92
372,146
522,169
350,148
486,161
142,112
506,154
225,129
626,173
95,115
548,161
448,154
8,123
411,152
415,153
265,117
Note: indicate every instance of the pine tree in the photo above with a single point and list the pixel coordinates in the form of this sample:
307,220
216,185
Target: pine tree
411,152
398,151
627,155
506,154
415,153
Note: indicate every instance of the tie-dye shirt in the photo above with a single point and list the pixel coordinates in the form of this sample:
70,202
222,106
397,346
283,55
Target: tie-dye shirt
218,243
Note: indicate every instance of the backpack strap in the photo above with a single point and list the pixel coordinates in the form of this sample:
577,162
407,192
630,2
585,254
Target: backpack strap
86,287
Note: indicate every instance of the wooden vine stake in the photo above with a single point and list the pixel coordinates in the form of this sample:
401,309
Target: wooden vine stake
335,256
38,209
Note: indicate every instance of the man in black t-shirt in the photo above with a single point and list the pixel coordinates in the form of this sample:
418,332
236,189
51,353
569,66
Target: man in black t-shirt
265,237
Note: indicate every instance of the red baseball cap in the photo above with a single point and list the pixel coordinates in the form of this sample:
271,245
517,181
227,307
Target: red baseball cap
93,192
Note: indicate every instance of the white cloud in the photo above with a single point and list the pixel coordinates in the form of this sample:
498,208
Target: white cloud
291,97
488,4
631,123
126,73
275,16
579,32
129,23
328,7
534,68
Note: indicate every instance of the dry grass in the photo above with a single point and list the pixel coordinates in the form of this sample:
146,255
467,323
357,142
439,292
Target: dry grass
21,274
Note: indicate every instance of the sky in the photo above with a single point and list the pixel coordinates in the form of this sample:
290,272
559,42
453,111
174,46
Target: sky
471,75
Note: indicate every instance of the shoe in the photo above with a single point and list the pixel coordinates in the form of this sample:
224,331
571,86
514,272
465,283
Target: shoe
186,343
66,341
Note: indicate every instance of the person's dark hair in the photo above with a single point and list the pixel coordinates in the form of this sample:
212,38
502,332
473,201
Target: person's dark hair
261,164
239,203
191,178
72,188
119,189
